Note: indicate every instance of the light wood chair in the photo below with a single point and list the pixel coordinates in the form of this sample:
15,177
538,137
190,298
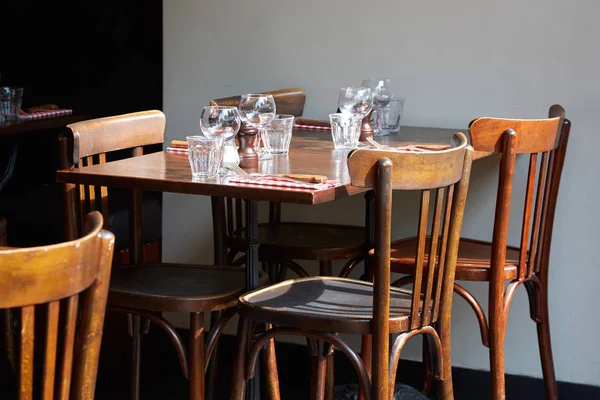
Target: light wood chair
544,142
56,279
139,290
321,307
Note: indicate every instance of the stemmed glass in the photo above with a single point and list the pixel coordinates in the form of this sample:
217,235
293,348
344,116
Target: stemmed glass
222,122
357,101
381,98
258,110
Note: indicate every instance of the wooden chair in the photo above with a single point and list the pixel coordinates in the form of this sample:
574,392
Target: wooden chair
282,243
321,307
56,279
139,290
544,141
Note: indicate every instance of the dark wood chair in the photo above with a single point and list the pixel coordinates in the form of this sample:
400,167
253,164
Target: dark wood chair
140,290
544,142
53,280
283,242
321,307
3,237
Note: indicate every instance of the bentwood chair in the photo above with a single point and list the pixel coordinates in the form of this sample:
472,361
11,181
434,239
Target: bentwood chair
145,291
52,280
282,242
321,307
544,142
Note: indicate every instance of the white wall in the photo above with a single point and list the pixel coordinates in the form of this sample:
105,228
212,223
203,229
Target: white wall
453,61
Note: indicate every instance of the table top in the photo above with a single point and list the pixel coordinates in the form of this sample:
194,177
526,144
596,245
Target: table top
311,152
21,126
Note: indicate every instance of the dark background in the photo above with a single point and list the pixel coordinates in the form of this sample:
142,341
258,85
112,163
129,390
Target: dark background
98,58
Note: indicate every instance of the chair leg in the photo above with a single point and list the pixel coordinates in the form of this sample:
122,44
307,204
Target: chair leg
497,329
136,336
238,384
330,379
428,379
366,355
271,374
543,329
196,356
326,269
319,373
211,383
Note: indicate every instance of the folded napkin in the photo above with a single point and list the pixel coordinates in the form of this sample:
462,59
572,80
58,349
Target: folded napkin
312,125
281,181
44,114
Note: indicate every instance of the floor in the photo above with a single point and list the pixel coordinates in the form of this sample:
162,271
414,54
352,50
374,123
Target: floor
162,380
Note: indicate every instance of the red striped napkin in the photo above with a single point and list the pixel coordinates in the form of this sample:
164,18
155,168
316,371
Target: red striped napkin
282,182
312,127
177,150
44,114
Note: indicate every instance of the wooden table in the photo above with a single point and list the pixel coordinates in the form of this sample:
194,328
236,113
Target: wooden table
311,152
15,129
33,125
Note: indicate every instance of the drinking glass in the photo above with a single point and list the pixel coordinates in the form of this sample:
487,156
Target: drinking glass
222,122
279,133
345,130
388,118
258,110
205,155
10,103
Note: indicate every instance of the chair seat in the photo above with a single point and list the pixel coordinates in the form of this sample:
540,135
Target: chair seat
304,241
473,263
174,287
323,304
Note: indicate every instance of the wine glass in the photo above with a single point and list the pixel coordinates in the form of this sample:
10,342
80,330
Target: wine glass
222,122
381,99
356,100
258,110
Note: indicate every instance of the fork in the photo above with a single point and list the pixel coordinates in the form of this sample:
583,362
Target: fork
377,145
238,170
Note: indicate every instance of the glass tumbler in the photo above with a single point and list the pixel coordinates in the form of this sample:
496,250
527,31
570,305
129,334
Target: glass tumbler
10,102
279,133
387,120
345,130
205,156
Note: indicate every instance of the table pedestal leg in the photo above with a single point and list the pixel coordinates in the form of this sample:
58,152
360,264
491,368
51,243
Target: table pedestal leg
252,267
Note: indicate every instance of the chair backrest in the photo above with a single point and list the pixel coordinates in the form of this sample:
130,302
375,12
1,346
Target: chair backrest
92,141
545,142
228,214
287,101
442,177
58,279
